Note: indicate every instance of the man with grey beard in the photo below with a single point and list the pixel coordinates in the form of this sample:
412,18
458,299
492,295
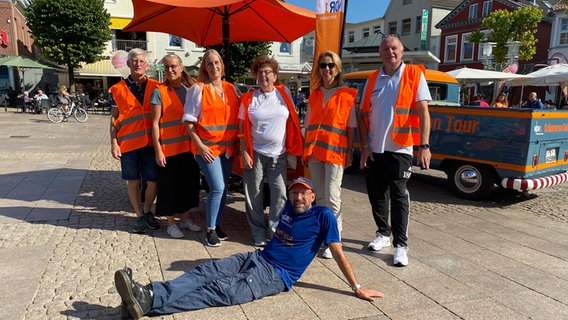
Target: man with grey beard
245,277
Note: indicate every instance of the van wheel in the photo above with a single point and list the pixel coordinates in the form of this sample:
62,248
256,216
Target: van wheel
471,181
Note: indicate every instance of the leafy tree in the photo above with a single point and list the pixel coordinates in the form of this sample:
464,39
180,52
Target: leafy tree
241,56
69,32
517,25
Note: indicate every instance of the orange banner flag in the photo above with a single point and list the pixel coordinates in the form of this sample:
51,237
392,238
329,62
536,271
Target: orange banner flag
330,17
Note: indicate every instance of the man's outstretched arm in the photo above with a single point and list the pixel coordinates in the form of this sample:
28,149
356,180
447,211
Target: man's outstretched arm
347,270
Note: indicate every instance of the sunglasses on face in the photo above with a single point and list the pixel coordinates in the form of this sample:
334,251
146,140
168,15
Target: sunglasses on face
391,35
330,65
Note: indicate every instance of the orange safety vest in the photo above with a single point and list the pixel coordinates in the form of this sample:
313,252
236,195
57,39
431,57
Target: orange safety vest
294,139
406,124
174,138
326,136
134,122
218,127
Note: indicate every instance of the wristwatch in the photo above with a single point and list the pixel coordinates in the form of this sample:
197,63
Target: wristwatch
425,146
356,287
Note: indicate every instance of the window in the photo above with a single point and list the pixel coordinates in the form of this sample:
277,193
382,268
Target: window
392,27
406,27
365,32
451,48
438,91
351,36
377,29
467,48
487,6
405,2
285,47
418,26
175,42
563,31
473,11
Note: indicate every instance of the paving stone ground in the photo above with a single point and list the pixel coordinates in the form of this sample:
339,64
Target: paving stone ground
65,220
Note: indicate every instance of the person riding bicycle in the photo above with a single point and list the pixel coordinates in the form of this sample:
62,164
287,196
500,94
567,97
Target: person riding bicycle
64,99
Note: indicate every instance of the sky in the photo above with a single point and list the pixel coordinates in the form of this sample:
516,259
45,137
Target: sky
357,10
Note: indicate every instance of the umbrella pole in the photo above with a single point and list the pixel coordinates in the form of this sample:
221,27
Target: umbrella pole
226,34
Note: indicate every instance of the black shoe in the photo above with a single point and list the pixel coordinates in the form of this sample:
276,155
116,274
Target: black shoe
140,225
222,235
212,239
151,221
138,299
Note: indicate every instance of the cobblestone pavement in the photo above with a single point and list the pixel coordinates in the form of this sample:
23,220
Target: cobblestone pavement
65,217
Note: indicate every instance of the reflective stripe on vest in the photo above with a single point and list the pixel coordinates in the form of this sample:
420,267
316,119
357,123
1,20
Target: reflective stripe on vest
174,138
328,128
326,135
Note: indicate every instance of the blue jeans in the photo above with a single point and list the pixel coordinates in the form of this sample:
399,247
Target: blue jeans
217,175
240,278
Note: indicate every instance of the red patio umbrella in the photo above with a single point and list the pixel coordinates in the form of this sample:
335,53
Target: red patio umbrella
211,22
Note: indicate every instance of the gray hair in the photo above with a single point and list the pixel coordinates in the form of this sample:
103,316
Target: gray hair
137,52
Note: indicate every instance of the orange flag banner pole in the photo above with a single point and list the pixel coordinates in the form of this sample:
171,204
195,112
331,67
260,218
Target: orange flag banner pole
330,18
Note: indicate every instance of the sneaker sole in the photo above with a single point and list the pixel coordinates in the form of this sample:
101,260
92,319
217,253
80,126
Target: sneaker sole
125,292
371,248
179,236
151,227
213,244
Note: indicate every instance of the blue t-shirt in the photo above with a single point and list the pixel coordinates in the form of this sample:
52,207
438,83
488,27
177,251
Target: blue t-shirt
537,104
297,240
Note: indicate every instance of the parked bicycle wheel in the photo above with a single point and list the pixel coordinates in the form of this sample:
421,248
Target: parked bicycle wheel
55,115
80,114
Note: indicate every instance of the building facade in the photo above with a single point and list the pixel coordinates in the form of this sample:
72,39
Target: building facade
413,21
458,52
15,40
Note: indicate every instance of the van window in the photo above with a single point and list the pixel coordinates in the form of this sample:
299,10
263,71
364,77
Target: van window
358,84
438,91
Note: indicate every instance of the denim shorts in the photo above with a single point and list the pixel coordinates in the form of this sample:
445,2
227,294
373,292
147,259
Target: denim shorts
139,163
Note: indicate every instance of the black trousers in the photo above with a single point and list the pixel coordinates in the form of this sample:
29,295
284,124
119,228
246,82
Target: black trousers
386,179
178,185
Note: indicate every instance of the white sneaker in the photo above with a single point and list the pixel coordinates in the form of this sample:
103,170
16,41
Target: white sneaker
379,243
175,232
327,254
187,224
400,256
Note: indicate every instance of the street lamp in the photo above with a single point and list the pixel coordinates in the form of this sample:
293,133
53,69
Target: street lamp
487,55
512,54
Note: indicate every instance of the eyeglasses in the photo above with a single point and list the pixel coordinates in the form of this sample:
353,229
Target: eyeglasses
266,72
330,65
302,194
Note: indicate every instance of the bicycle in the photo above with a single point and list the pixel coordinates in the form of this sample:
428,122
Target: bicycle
58,114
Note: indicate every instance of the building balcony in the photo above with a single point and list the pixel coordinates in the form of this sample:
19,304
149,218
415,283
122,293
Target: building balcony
127,45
